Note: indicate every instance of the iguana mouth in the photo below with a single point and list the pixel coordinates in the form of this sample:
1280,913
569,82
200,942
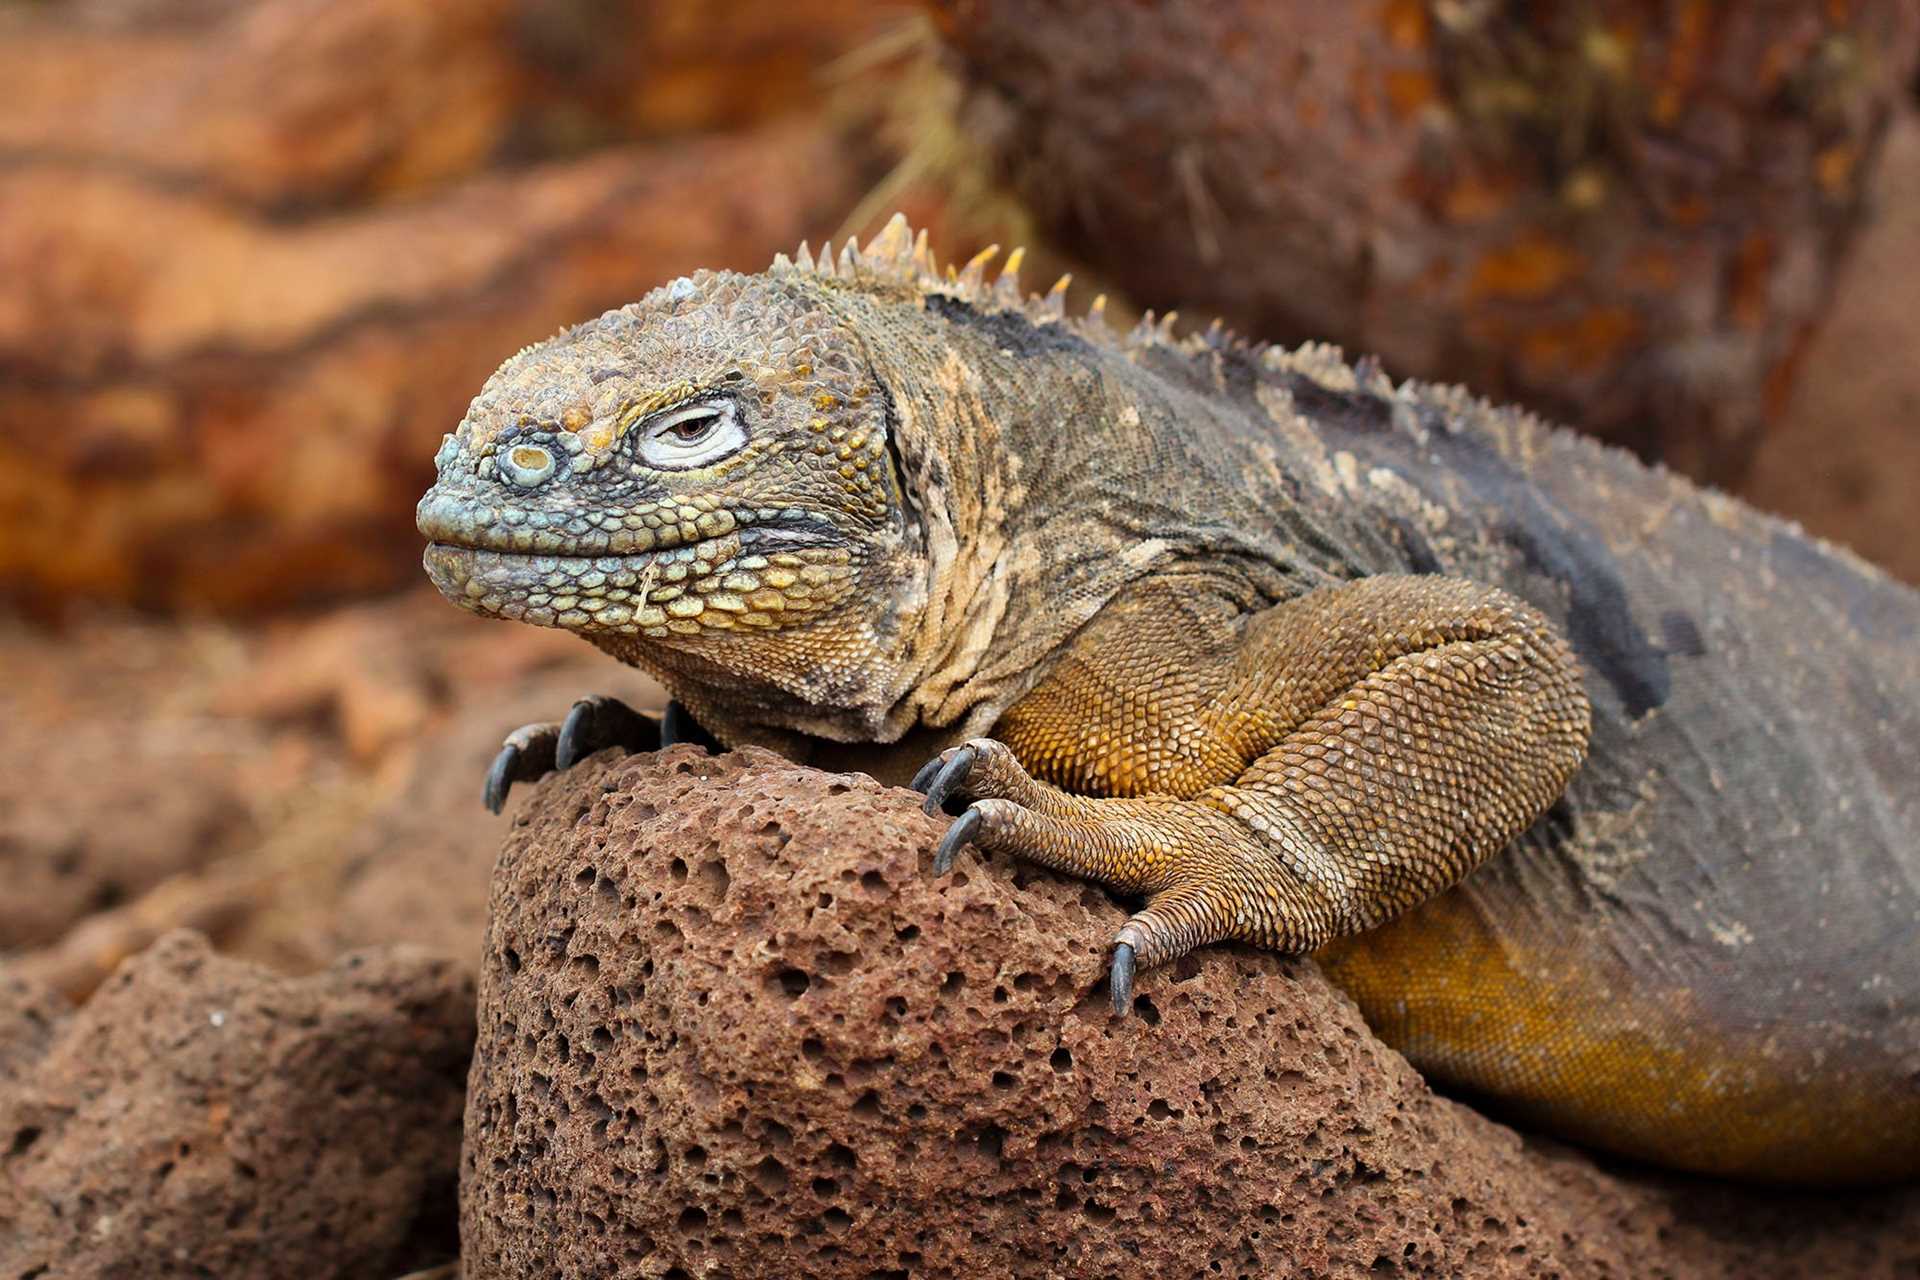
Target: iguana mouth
455,522
750,575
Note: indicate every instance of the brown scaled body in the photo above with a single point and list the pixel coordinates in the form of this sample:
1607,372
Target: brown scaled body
1282,646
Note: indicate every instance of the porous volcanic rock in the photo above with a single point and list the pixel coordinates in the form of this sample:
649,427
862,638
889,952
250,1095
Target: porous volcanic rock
730,1025
205,1117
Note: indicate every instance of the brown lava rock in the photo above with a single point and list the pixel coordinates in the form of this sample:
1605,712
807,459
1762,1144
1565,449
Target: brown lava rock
204,1117
730,1025
1628,216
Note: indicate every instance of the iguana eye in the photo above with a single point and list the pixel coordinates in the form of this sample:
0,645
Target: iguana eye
692,435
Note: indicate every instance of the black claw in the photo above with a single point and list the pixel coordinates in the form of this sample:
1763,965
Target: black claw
596,723
1121,980
949,778
924,778
958,834
500,779
678,725
577,738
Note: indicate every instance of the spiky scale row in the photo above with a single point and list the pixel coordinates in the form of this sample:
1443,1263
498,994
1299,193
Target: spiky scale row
898,255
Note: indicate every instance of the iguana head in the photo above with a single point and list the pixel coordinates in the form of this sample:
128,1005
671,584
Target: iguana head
734,483
706,464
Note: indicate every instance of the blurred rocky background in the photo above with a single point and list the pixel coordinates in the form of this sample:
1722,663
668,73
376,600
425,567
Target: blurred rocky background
256,255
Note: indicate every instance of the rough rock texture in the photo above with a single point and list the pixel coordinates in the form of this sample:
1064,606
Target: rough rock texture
730,1025
1627,215
204,1117
349,212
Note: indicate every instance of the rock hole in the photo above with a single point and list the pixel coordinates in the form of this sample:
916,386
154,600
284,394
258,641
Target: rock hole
896,1007
791,983
770,1176
586,877
907,933
874,883
1159,1109
512,959
1097,1212
678,870
955,981
837,1218
813,1048
22,1140
715,880
691,1221
825,1188
1147,1011
867,1105
841,1156
1004,1080
1062,1060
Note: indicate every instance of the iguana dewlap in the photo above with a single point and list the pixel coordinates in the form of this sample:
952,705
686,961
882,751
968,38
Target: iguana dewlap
1281,647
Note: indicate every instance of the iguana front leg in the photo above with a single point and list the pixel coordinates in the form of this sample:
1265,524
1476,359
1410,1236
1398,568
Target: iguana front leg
1285,777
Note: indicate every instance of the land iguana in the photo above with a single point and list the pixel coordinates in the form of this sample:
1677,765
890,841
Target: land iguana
1282,647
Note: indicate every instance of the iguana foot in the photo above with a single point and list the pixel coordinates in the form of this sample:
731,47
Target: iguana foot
1198,865
593,724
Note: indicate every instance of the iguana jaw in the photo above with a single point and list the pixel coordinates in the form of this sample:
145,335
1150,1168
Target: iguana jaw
763,571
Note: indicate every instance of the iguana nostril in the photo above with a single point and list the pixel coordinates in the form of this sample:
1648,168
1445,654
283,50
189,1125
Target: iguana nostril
526,464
